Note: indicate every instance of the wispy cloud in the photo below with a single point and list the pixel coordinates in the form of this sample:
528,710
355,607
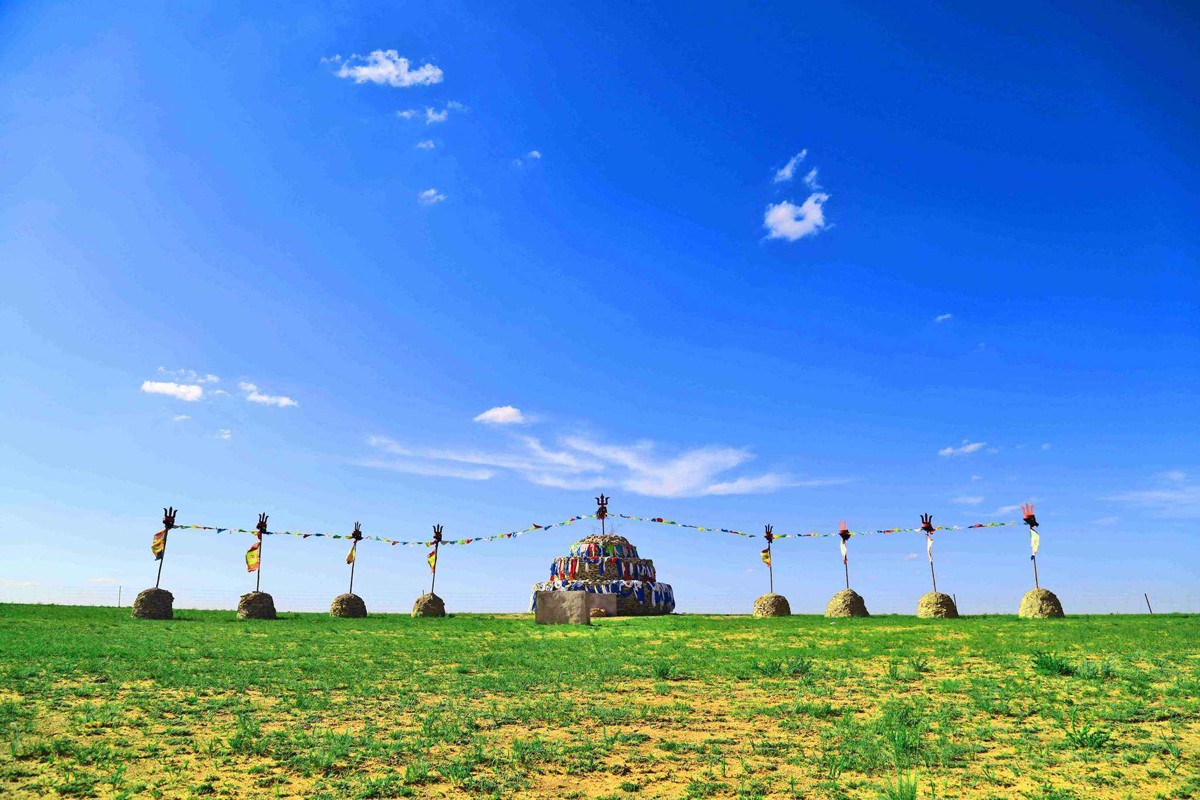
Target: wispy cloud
786,220
432,115
408,113
788,170
430,197
532,155
943,317
810,180
188,375
386,68
967,500
425,144
912,556
580,462
18,584
181,417
190,393
963,449
502,415
1175,495
225,434
253,395
110,581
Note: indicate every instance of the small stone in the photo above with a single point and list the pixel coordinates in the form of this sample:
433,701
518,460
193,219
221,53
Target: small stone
256,605
846,603
597,611
936,605
154,604
1040,604
772,605
348,605
429,605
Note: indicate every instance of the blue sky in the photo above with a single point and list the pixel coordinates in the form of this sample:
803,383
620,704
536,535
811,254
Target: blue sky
788,264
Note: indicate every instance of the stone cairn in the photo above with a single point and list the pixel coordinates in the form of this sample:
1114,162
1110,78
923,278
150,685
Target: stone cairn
936,605
846,603
609,564
154,604
1040,604
256,605
429,605
348,605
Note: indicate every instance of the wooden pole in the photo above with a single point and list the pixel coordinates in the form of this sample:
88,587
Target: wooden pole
1147,602
437,543
846,565
261,527
168,523
933,575
118,597
770,569
352,563
1036,585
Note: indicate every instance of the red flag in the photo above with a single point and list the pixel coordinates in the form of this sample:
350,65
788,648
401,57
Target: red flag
252,557
159,544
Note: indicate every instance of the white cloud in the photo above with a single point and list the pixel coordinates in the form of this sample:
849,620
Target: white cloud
225,433
190,393
181,417
788,170
973,500
502,415
189,375
385,67
255,396
408,113
20,584
912,556
432,115
942,317
430,197
966,447
426,144
810,180
534,154
976,477
579,463
1177,496
1106,521
785,220
1046,446
112,581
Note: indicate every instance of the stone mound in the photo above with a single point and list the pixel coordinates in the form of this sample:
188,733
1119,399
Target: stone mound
256,605
608,565
1040,604
597,611
429,605
154,604
348,605
772,605
846,603
936,605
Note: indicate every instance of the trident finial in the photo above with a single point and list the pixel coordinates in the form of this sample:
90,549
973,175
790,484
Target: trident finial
1030,517
927,523
602,506
262,523
169,517
357,534
437,533
843,531
769,535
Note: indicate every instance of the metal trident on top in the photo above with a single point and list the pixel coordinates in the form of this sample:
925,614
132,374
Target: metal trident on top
261,527
769,535
168,523
927,526
602,511
357,536
437,542
1034,538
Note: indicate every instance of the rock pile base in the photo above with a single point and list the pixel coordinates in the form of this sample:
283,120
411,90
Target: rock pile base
154,604
429,605
348,605
846,603
772,605
1040,604
256,605
936,605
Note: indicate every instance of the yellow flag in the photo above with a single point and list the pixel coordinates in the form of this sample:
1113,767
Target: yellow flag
350,555
159,544
252,557
766,556
432,559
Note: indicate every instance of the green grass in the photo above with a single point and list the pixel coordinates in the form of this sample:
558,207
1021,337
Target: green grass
95,704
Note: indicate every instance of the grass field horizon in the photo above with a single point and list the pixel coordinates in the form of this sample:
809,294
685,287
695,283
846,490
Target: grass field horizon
96,704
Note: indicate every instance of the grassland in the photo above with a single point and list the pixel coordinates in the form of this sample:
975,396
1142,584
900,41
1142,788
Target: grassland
93,703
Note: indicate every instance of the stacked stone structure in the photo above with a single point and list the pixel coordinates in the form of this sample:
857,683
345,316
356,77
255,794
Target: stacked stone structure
609,564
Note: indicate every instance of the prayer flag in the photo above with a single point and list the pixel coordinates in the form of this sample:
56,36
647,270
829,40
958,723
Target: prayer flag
350,555
1035,541
929,547
252,557
432,559
159,544
844,554
766,556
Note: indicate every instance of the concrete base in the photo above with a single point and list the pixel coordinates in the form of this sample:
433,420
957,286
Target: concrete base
772,605
936,605
256,605
154,604
563,608
1040,604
